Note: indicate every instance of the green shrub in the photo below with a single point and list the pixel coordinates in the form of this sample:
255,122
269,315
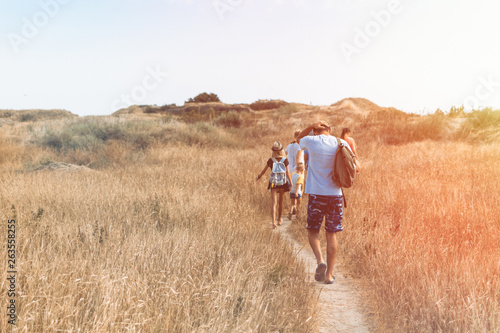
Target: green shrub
480,125
54,140
92,134
484,118
5,114
27,117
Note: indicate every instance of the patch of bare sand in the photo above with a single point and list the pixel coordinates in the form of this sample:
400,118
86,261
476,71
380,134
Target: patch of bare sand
62,167
341,308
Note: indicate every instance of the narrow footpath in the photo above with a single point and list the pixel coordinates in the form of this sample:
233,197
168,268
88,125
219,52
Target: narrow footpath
341,307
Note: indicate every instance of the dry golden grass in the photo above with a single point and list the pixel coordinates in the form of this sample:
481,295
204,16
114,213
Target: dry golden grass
152,247
423,227
423,224
175,235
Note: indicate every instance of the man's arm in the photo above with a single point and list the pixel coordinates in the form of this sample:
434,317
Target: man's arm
308,129
305,132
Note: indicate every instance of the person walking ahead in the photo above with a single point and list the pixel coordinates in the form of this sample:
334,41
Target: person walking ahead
325,197
346,135
296,191
279,182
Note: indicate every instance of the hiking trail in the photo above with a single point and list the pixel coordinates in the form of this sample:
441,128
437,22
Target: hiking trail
340,306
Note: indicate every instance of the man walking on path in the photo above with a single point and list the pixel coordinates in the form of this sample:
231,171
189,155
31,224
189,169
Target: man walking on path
325,197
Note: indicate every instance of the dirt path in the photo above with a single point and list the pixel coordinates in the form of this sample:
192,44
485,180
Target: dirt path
341,307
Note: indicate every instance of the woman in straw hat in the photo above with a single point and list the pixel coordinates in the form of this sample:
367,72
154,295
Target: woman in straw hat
280,180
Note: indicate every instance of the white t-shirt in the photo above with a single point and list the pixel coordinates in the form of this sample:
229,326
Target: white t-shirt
297,180
322,149
292,150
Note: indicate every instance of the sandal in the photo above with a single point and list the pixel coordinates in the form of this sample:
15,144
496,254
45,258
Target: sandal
320,272
330,282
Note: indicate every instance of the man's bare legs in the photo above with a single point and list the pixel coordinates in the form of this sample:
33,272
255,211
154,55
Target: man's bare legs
331,250
331,254
315,243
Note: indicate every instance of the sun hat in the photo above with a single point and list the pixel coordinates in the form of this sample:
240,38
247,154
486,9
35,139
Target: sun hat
323,126
277,146
277,149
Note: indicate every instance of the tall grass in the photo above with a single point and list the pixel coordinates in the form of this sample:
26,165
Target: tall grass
393,127
176,244
230,119
111,142
481,125
423,228
8,149
175,235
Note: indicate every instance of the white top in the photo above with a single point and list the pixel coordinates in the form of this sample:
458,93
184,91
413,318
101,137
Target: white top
295,178
292,150
322,149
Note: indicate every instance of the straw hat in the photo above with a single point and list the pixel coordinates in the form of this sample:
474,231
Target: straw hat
277,146
277,149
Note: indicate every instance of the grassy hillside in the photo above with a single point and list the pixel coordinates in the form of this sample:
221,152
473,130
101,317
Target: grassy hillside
165,228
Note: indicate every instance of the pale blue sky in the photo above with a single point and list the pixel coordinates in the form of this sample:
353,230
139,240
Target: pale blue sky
92,57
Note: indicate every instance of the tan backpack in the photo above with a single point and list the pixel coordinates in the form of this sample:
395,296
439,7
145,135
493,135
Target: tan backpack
344,167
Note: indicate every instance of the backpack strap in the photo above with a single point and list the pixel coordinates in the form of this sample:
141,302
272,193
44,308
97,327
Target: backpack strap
338,141
283,160
274,160
343,196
